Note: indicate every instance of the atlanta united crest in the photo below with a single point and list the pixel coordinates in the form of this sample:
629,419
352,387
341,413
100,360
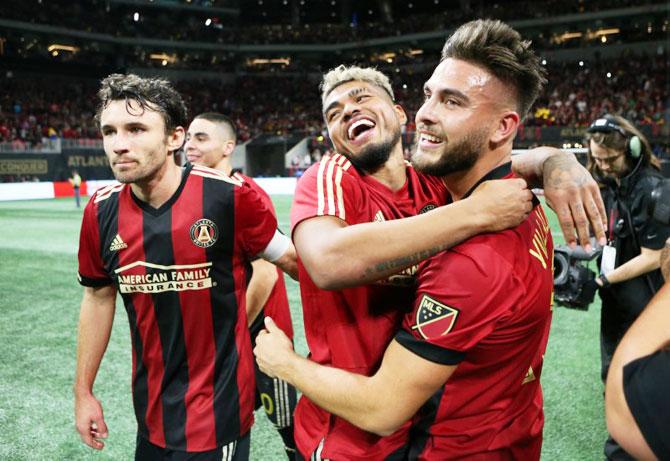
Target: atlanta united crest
434,319
204,233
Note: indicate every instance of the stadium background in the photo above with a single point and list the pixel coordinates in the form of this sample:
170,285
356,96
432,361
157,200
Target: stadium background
260,62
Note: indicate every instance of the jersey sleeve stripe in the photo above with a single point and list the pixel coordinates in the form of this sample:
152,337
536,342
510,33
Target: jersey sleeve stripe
329,188
340,194
429,351
319,188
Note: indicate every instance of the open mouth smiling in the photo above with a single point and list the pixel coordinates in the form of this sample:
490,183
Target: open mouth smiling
358,127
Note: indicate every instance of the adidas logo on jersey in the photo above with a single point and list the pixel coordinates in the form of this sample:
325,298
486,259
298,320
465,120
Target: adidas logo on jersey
118,244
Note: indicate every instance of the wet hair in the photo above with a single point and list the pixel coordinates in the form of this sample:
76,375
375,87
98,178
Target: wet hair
343,74
496,47
226,122
149,93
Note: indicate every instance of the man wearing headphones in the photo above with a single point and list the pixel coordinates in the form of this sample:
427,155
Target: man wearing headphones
620,159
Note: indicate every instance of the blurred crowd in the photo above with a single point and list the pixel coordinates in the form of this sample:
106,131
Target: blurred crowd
635,87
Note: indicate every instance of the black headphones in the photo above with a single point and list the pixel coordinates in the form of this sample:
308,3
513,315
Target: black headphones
607,124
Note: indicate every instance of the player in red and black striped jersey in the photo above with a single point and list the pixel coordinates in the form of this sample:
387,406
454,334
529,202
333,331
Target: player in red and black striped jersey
210,141
175,243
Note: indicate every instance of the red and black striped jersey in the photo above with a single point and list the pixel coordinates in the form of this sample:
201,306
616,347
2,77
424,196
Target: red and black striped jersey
485,305
182,270
277,305
350,328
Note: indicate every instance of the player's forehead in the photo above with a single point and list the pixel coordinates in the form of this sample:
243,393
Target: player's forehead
201,126
122,112
350,90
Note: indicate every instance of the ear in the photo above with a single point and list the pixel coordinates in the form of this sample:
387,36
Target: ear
176,139
506,127
228,148
402,115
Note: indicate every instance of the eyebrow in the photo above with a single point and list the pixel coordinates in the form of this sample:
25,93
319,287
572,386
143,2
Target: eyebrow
448,92
353,92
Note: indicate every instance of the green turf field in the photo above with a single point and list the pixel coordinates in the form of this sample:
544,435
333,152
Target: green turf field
39,307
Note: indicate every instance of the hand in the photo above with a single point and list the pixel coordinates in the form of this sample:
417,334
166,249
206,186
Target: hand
503,203
573,194
273,350
89,421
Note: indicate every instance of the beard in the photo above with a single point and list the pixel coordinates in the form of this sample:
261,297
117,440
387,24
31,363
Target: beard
374,156
455,157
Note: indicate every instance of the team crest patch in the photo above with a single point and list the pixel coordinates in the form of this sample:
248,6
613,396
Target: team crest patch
204,233
434,319
427,208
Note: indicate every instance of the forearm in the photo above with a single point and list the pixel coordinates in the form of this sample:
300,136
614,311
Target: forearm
95,326
643,263
348,395
374,251
529,165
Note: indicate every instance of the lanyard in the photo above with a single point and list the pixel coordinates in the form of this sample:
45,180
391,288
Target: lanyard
614,214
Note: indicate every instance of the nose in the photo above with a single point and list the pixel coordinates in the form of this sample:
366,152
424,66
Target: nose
120,144
350,109
426,113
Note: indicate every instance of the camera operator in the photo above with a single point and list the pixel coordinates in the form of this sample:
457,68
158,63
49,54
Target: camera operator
620,159
637,401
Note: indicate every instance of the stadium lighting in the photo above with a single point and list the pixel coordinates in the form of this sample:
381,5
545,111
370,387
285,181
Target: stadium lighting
58,48
581,63
609,74
164,58
404,86
54,52
136,16
603,39
208,22
415,52
544,62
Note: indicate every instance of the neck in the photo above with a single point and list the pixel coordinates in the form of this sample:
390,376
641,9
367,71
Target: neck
224,166
160,187
393,172
459,183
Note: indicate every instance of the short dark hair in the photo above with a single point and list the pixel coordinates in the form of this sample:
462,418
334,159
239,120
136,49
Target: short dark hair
216,117
499,49
150,93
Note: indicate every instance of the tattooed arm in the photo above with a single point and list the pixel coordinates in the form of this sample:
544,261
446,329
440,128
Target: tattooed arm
569,189
337,255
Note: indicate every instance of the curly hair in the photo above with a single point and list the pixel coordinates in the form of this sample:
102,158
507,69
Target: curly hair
149,93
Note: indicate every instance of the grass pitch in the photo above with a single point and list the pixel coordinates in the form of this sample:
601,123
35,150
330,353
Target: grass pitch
39,309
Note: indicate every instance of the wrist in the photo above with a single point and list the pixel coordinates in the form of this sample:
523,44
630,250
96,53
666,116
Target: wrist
604,282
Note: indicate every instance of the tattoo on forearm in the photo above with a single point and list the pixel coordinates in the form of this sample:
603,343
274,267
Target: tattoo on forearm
401,263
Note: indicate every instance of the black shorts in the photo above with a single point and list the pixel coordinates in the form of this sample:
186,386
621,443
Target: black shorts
234,451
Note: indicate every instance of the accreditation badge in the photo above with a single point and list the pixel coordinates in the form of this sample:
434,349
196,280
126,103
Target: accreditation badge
608,259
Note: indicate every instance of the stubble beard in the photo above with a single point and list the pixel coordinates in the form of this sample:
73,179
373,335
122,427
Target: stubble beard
455,157
373,156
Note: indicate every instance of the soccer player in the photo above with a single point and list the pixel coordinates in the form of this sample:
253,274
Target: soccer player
210,141
470,351
174,242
